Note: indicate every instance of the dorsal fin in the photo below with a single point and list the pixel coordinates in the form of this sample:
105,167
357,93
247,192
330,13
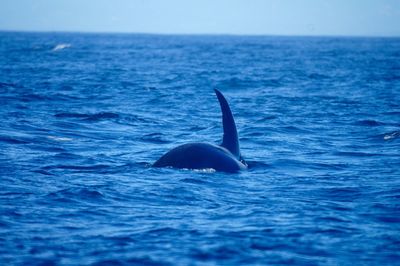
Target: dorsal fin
230,140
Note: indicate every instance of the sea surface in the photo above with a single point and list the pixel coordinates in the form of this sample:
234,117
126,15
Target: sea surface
83,117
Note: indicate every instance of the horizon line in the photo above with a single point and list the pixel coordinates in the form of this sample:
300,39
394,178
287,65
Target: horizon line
200,34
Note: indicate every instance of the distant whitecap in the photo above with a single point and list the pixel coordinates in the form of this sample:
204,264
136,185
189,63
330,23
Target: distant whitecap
59,138
392,135
61,46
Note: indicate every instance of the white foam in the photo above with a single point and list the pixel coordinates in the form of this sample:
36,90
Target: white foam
61,46
392,135
205,170
59,138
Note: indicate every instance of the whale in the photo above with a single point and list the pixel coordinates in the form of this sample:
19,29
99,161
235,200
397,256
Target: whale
225,157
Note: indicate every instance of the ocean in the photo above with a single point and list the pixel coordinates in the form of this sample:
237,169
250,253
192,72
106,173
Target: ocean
83,117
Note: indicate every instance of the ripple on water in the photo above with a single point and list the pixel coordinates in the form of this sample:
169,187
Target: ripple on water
89,117
77,195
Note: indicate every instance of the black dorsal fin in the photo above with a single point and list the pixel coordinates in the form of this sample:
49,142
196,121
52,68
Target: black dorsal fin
230,140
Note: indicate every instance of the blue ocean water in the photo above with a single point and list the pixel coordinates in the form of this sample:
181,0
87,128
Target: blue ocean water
83,116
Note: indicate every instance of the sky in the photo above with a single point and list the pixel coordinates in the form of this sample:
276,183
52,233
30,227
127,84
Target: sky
245,17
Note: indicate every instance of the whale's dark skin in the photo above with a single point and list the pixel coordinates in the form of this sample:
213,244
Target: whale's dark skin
225,158
201,156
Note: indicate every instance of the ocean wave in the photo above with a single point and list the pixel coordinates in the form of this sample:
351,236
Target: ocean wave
391,136
61,46
76,194
89,117
81,126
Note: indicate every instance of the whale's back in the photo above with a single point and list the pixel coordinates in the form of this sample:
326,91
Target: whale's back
200,156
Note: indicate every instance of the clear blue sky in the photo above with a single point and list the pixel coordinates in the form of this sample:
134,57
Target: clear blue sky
282,17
